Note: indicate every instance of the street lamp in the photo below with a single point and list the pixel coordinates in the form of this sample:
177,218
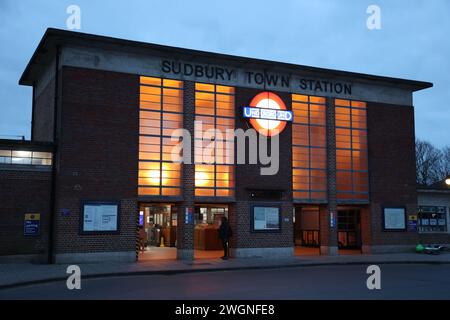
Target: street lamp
447,181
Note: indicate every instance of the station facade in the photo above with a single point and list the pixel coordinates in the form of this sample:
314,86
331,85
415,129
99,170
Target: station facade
100,167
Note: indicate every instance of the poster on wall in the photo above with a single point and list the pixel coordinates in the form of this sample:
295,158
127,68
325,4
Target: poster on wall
266,218
394,219
100,217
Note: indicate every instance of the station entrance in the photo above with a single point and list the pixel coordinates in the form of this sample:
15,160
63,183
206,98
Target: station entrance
157,234
307,230
208,218
349,230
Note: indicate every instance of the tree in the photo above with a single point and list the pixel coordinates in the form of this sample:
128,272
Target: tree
429,163
446,161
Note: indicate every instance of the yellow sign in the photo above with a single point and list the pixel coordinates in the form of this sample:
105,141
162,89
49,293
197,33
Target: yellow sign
32,224
33,216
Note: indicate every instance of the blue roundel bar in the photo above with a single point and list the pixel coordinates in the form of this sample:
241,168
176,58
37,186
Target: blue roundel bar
268,114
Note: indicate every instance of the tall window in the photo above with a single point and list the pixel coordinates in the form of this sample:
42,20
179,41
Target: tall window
161,112
351,150
309,148
214,110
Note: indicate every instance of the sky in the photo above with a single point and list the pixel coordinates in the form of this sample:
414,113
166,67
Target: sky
413,41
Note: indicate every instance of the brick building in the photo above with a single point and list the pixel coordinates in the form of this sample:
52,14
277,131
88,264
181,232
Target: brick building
434,213
106,109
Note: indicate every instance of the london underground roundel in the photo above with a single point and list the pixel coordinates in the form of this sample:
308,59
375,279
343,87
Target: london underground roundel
268,114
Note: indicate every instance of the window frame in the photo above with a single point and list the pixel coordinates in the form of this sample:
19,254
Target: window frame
161,136
232,97
299,98
354,187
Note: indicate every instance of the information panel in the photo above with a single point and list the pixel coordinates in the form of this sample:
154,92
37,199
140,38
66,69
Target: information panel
266,218
394,219
100,217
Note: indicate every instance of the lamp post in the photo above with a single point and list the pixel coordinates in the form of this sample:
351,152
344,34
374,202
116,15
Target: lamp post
447,181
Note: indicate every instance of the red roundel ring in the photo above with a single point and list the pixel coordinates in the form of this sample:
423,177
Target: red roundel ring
268,100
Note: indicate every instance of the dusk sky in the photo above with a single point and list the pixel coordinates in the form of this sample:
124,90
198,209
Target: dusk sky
413,42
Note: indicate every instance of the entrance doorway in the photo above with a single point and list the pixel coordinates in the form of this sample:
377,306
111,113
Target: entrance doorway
349,231
208,217
158,231
306,230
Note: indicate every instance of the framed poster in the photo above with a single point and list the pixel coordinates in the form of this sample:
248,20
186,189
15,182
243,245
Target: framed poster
100,217
394,219
266,218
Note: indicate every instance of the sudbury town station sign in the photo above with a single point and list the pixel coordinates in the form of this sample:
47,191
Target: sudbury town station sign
253,78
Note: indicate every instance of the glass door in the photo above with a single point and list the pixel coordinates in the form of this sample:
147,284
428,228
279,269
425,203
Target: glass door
159,222
306,226
349,229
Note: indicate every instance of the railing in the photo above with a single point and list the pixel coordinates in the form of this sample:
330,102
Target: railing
12,137
310,238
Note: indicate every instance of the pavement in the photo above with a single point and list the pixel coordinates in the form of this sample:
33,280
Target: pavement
19,274
396,282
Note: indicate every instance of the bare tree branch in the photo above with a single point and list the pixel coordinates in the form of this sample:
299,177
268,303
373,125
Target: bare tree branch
430,163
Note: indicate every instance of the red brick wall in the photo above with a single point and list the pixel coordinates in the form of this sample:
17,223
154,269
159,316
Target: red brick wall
249,177
243,237
324,223
98,160
43,113
185,232
392,172
23,192
366,227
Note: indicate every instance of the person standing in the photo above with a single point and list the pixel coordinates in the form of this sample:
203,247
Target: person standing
224,235
142,238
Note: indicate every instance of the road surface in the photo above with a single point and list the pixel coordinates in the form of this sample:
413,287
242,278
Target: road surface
406,281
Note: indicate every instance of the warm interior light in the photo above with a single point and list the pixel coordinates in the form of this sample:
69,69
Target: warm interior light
153,176
201,179
23,154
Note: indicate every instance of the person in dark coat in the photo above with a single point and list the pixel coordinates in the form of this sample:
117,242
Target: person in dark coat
224,235
142,238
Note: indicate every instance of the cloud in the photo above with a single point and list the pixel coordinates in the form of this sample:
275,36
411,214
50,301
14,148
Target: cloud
331,34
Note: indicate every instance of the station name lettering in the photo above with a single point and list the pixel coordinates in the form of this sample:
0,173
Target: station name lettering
217,73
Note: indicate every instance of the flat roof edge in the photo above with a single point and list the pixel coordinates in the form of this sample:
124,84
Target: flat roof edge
25,143
433,190
23,81
414,85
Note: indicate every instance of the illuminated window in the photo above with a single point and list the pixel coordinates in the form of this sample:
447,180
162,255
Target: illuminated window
351,150
161,112
309,148
31,158
214,155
